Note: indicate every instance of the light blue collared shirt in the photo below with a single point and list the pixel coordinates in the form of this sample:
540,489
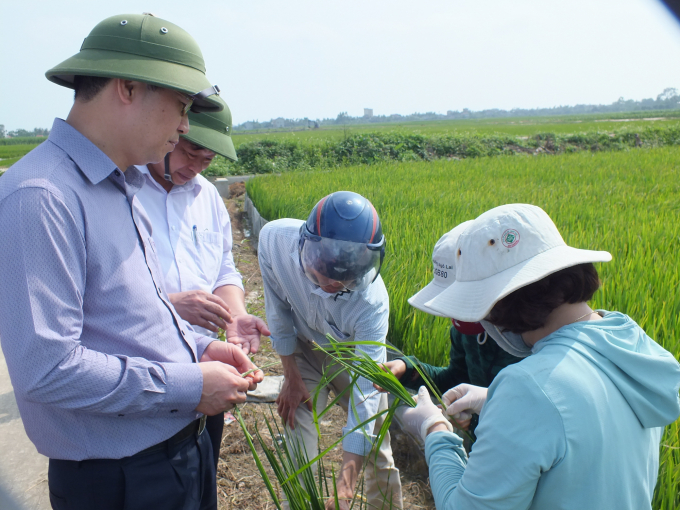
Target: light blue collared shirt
297,308
101,364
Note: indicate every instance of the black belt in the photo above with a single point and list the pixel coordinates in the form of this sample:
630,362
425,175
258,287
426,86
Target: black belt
195,428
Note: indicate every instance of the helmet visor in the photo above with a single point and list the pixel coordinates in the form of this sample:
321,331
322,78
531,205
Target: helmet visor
329,263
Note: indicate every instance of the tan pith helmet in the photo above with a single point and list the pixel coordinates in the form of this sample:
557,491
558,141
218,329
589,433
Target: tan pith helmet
144,48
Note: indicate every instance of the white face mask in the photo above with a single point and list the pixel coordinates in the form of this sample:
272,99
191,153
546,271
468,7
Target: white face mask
509,342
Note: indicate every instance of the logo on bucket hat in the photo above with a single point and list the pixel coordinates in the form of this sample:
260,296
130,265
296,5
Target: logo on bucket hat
510,238
486,272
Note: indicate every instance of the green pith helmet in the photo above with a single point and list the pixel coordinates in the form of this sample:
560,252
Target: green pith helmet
143,48
212,131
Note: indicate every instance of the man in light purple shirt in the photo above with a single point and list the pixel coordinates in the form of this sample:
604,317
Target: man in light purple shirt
105,372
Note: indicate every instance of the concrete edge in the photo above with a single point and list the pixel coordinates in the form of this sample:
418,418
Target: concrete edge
255,219
222,183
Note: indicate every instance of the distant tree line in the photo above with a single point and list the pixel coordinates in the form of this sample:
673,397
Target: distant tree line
41,132
270,155
669,99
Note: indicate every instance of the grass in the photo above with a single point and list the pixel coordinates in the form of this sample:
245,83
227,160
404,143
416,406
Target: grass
10,154
13,151
520,126
6,163
23,140
627,203
278,153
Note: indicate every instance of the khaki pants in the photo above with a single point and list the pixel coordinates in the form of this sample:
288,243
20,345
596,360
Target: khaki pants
380,474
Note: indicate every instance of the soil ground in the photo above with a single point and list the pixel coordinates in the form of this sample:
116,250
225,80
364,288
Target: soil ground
239,483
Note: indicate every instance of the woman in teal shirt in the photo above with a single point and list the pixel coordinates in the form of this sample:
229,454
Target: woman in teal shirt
577,424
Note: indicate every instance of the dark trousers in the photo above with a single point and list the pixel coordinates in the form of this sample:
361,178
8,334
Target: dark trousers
178,476
214,425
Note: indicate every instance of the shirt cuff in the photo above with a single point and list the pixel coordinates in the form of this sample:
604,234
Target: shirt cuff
284,346
184,387
444,440
357,442
410,372
202,343
232,279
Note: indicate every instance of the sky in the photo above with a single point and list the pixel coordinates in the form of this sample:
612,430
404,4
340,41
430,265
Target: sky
318,58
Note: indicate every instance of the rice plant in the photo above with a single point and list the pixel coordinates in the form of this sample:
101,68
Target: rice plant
302,489
360,364
295,472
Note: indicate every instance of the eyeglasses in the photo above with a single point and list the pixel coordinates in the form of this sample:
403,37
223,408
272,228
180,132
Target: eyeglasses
187,102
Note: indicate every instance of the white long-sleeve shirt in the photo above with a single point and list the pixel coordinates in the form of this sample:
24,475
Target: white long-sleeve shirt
192,234
296,307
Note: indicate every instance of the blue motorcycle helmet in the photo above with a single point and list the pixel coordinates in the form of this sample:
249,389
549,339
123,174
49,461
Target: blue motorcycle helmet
342,242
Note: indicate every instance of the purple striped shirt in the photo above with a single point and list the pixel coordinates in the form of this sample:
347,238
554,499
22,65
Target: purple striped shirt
102,366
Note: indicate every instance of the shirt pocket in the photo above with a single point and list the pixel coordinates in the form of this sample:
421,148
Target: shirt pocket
209,250
332,329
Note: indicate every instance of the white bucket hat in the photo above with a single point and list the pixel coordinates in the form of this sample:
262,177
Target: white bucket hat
443,269
504,249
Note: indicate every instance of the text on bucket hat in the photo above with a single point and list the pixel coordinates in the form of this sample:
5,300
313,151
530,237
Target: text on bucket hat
144,48
443,269
504,249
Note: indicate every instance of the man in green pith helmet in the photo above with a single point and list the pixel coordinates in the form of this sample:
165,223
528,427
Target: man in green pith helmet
112,384
192,234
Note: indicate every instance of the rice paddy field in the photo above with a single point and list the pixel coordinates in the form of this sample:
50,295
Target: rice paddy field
292,149
518,126
12,149
10,154
627,203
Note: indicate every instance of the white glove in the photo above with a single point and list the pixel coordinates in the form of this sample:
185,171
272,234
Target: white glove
419,419
463,401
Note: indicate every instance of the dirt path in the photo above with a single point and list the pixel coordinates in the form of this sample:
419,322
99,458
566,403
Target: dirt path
23,471
239,483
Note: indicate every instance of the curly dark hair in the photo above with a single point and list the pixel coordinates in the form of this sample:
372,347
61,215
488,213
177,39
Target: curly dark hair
527,308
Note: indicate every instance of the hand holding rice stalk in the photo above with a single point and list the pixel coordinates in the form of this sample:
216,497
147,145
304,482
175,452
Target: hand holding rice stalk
255,369
361,364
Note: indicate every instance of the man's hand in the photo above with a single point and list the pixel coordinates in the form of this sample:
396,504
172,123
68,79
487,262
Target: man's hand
463,401
245,331
293,392
200,308
346,481
397,367
232,355
223,387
